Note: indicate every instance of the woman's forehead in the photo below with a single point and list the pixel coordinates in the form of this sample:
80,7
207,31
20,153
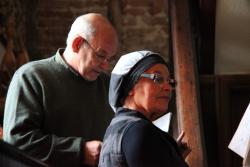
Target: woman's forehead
158,67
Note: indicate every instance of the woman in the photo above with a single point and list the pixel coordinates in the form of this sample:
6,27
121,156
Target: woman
140,90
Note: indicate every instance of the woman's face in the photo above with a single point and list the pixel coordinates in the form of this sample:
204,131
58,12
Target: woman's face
151,96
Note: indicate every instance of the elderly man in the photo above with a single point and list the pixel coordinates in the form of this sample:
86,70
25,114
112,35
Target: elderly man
57,109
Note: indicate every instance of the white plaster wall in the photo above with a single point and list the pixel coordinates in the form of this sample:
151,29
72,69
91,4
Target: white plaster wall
232,37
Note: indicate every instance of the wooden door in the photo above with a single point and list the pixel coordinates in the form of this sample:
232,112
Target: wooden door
224,100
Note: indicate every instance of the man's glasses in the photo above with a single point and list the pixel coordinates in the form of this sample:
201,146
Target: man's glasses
99,57
158,79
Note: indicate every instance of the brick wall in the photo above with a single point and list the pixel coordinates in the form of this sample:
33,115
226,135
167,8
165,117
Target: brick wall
144,24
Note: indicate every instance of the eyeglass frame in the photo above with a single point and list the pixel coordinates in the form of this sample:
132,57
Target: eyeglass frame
99,57
156,76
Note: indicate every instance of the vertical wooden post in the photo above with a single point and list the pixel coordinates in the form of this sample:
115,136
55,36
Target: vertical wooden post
114,13
115,16
187,99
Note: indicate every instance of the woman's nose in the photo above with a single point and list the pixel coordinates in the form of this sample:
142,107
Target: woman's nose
167,86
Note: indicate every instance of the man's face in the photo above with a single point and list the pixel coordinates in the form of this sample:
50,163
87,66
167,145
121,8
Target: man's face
95,56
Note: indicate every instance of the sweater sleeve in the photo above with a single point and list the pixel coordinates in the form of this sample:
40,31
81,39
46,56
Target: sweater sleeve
143,146
24,121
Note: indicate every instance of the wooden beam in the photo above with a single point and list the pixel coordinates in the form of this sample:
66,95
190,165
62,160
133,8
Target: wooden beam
185,71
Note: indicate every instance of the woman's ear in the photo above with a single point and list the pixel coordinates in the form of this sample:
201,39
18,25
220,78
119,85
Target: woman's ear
131,92
76,44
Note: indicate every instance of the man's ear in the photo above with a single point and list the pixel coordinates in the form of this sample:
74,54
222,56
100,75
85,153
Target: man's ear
76,44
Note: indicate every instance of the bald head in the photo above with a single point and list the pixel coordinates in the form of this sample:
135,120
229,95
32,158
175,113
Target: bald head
91,44
90,26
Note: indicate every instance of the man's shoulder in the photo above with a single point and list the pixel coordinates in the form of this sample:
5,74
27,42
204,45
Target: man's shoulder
37,64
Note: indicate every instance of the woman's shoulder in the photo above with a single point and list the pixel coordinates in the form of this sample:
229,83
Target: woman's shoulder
140,129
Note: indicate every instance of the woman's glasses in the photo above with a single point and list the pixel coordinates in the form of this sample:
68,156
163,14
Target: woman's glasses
159,79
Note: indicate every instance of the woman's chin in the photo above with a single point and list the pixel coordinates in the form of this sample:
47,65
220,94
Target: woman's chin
158,115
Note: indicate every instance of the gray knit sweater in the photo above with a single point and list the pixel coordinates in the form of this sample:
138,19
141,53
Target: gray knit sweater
51,110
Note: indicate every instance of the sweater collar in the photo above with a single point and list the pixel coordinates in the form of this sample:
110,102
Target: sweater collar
60,60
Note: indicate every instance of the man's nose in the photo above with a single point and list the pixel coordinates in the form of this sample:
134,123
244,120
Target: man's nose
104,65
